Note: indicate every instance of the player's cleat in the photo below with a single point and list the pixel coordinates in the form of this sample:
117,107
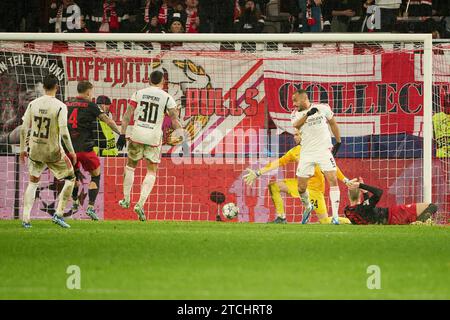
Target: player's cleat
60,221
334,220
124,203
307,214
75,206
90,211
26,225
140,211
279,220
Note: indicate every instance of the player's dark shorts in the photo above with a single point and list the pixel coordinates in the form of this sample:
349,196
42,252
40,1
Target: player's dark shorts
88,160
402,214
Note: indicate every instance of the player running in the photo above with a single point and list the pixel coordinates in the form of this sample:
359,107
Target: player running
316,186
312,120
47,118
83,115
149,106
368,213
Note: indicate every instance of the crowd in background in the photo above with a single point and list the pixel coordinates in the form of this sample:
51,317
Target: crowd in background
226,16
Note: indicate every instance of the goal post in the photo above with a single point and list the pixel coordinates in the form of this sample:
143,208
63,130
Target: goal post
207,69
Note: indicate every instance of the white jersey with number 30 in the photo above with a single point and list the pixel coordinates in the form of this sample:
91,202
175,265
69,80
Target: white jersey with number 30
315,133
150,106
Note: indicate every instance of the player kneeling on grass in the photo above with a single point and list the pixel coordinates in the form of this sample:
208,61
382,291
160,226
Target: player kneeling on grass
47,118
316,186
149,106
368,213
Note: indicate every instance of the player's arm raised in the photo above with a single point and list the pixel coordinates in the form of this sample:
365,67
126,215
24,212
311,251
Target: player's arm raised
298,121
376,192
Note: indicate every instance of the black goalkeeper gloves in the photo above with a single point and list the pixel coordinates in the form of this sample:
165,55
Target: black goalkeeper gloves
335,149
311,112
121,142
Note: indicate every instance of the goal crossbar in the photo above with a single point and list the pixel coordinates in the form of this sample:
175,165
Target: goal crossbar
218,37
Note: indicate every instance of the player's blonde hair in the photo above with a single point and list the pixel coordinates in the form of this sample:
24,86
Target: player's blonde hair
354,194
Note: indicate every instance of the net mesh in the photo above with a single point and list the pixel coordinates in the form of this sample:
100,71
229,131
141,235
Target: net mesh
235,105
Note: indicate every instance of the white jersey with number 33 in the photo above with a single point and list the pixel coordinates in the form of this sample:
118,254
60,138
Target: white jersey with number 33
315,133
150,106
45,116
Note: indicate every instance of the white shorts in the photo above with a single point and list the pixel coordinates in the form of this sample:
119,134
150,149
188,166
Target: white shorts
308,162
60,169
137,151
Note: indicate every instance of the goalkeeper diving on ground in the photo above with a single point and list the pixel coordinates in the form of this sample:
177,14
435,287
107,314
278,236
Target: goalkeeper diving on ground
315,187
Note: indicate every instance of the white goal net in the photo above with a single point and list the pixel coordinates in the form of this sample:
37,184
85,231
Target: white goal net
235,105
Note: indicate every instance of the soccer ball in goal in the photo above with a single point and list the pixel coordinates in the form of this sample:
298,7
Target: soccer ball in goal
230,210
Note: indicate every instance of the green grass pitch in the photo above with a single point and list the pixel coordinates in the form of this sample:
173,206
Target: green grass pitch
210,260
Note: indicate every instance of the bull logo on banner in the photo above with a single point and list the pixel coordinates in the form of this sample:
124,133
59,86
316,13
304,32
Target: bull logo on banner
180,76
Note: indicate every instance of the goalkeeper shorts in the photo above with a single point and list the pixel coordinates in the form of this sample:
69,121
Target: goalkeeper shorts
316,197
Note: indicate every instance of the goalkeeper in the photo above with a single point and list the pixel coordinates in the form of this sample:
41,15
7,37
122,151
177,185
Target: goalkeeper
316,186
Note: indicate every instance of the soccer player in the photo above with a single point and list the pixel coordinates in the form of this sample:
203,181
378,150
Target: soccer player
47,118
83,115
316,186
312,120
368,213
148,105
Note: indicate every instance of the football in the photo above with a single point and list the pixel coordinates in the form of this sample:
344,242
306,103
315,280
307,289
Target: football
230,210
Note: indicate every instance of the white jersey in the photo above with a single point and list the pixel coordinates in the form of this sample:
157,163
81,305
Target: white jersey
150,105
315,133
45,115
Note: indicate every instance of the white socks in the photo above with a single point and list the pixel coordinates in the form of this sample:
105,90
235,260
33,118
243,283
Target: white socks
146,188
64,196
28,200
305,199
335,198
128,181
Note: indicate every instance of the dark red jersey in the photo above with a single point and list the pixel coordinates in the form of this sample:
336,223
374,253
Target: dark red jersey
82,117
367,212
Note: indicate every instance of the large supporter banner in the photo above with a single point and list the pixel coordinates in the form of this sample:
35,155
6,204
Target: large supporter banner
211,105
369,94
